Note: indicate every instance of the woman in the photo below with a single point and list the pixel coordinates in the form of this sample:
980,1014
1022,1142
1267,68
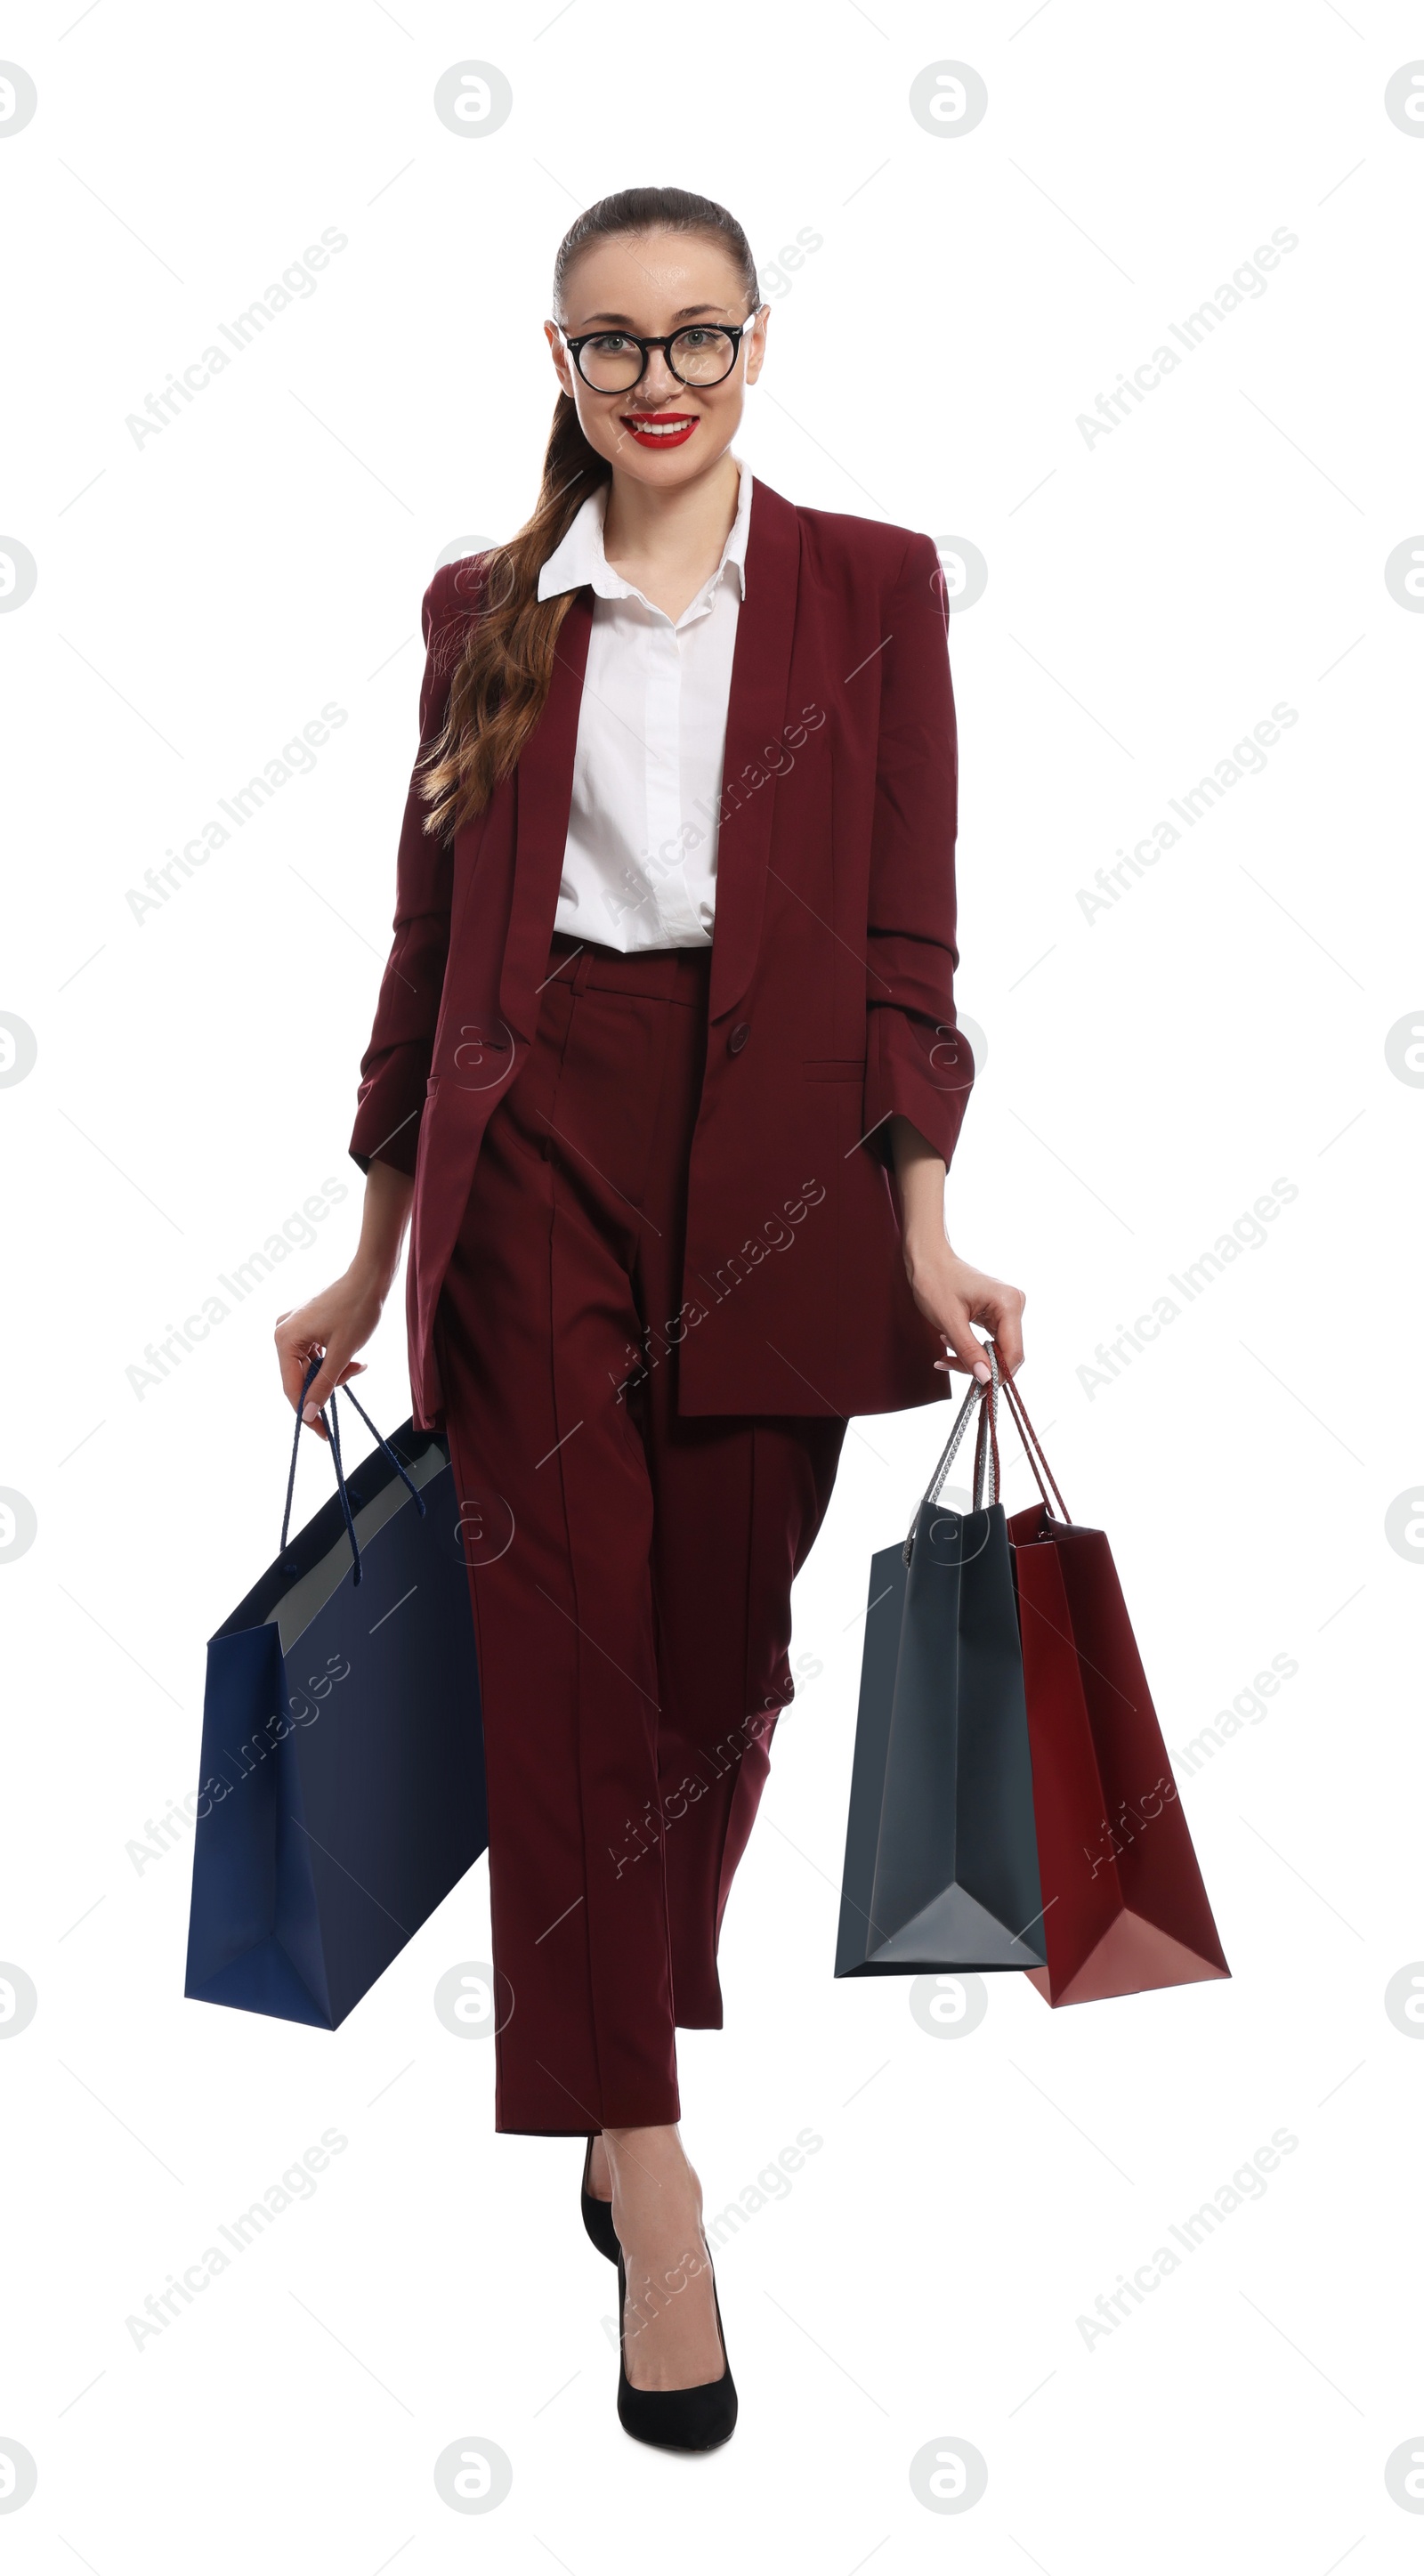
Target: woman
665,1063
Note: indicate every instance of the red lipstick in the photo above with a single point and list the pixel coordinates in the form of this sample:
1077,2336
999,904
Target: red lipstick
643,425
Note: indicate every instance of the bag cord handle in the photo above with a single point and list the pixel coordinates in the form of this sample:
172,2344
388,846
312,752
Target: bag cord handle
987,1472
1033,1449
946,1457
334,1437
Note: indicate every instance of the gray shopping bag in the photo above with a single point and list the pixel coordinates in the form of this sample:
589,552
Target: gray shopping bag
941,1859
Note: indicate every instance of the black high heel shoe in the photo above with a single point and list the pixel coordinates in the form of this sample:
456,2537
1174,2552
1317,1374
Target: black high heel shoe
597,2214
676,2419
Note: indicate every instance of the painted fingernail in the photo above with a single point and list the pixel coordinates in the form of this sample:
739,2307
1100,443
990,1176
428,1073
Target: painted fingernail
309,1413
981,1372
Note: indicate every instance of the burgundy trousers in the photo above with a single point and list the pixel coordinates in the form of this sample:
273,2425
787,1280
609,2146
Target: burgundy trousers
630,1571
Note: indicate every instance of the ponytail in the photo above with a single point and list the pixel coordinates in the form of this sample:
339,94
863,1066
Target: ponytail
502,680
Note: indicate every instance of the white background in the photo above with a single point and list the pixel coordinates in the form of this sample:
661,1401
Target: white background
1150,1073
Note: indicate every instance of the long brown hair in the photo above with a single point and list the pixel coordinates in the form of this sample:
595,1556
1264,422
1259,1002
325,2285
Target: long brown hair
502,679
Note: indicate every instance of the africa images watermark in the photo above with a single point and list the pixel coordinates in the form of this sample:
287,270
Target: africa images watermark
1247,1234
1246,758
1247,1709
296,1234
640,881
160,1837
296,284
1247,283
772,2183
776,1235
647,1832
1247,2183
296,759
164,2307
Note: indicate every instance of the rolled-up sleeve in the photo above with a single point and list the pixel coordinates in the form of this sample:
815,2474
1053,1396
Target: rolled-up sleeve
918,1066
396,1064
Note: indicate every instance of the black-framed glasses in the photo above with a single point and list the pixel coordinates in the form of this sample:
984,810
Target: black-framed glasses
613,362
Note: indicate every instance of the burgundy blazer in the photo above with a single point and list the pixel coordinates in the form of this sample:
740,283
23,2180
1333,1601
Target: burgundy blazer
831,996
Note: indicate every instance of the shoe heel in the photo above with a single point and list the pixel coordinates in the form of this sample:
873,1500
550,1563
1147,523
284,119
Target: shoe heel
597,2214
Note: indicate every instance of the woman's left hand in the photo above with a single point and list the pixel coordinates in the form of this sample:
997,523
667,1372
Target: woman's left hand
950,1292
954,1296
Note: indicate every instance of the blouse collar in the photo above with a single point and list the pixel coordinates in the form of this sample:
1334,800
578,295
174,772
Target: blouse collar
579,559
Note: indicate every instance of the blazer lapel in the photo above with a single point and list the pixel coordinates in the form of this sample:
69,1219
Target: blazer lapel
543,794
756,716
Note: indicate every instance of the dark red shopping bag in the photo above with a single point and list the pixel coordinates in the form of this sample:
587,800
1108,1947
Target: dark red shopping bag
1124,1904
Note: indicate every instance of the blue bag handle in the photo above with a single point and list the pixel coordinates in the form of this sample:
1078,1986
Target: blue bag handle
334,1436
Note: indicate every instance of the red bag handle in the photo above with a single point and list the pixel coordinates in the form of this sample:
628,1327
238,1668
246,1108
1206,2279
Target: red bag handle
1033,1447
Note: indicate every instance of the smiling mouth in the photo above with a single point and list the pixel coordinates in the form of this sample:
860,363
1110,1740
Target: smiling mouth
660,428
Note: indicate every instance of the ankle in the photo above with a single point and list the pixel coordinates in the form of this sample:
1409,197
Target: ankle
650,2161
657,2197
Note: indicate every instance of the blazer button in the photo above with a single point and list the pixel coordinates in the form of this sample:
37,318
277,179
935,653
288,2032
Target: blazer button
738,1038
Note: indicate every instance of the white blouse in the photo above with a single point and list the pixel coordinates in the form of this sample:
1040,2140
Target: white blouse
640,862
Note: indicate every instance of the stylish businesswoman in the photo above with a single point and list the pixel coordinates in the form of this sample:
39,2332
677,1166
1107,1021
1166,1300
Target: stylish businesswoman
665,1067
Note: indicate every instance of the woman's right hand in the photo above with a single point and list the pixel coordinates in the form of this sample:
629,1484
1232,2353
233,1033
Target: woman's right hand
335,1322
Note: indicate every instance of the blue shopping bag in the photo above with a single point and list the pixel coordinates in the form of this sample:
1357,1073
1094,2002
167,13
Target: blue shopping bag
342,1791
